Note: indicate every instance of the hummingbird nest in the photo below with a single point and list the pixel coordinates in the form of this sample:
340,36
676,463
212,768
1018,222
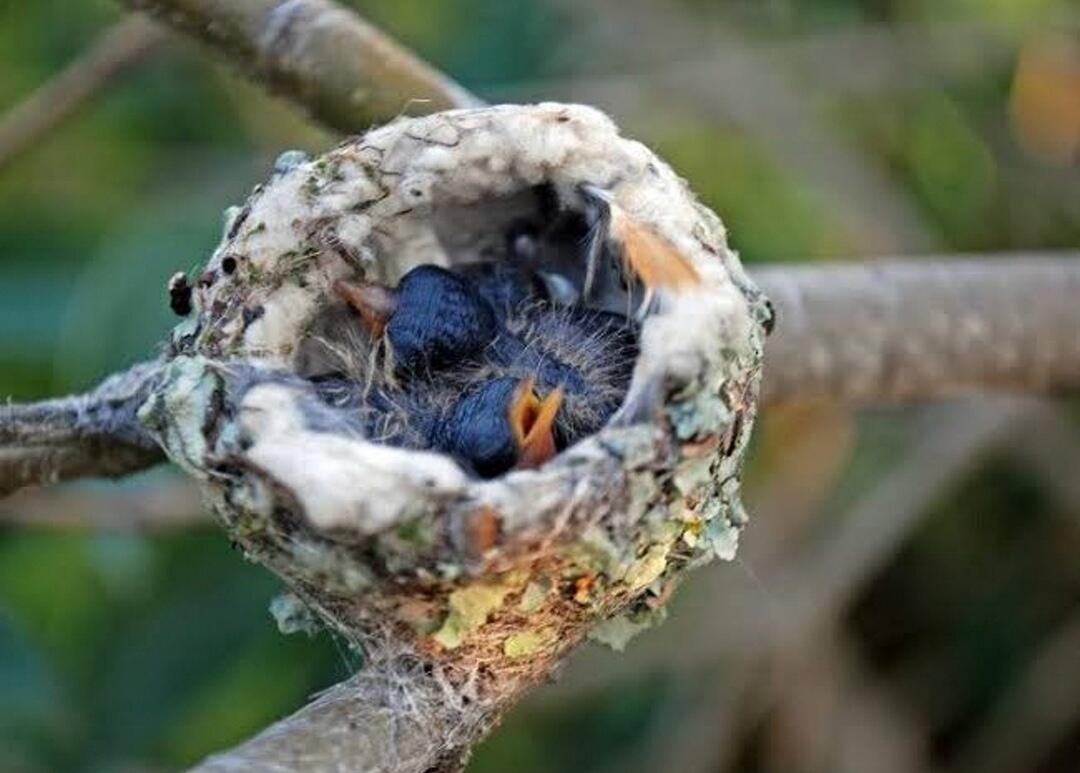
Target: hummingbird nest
460,590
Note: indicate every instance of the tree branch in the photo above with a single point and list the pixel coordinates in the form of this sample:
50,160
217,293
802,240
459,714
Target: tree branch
911,329
156,506
119,48
900,330
91,435
1037,712
372,721
344,71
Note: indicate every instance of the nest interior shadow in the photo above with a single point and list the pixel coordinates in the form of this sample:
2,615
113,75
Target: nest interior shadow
343,425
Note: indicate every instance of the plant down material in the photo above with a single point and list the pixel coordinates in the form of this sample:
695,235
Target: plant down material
462,592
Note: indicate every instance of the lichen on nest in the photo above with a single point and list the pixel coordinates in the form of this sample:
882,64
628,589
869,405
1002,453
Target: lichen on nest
402,546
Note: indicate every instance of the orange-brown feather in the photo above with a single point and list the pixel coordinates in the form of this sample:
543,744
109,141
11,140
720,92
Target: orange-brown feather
650,256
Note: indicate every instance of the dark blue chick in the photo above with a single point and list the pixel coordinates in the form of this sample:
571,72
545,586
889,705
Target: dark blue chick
588,354
434,318
489,371
498,424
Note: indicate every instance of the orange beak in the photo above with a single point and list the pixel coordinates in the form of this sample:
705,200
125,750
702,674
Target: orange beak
532,421
374,303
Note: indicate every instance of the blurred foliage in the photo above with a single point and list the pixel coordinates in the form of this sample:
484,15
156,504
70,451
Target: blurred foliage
122,652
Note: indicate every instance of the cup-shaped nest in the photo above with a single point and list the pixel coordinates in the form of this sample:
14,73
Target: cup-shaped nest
402,547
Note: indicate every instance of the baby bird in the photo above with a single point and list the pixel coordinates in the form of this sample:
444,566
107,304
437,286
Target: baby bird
489,426
493,373
504,286
497,424
589,355
432,319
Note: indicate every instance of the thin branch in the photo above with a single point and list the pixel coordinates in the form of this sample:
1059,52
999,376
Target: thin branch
818,583
154,507
923,328
893,57
1038,712
344,71
120,47
900,330
90,435
1050,453
357,725
798,591
753,90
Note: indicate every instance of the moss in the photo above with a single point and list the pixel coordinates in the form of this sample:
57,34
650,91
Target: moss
419,532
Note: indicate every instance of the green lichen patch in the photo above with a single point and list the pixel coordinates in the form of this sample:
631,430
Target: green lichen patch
176,413
722,537
648,568
616,632
532,598
525,643
293,616
702,414
692,474
470,607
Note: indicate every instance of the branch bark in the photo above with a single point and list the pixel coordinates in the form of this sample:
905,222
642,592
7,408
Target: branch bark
90,435
153,506
911,329
358,725
343,70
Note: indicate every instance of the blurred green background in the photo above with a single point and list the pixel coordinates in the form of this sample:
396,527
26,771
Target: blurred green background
832,129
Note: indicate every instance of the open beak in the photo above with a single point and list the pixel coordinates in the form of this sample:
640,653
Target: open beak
532,420
374,303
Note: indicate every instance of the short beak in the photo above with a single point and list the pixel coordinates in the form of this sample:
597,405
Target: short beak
533,422
374,303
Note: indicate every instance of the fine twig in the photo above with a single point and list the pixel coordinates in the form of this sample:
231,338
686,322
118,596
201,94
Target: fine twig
344,71
821,582
119,48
